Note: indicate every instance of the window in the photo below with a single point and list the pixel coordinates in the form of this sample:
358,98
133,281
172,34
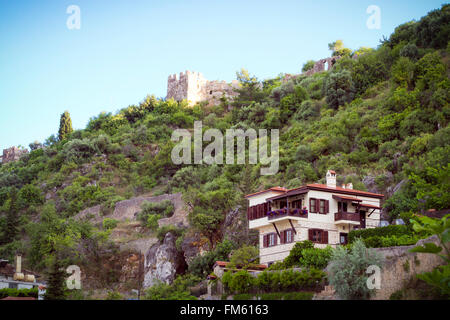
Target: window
312,205
289,236
322,206
12,285
272,240
297,204
318,236
342,206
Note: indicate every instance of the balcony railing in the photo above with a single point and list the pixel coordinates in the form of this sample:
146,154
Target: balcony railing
279,213
351,216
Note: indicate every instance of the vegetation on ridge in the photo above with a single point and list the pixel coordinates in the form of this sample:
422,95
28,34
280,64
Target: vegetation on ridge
380,121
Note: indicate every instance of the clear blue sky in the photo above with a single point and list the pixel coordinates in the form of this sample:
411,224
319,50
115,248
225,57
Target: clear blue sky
125,50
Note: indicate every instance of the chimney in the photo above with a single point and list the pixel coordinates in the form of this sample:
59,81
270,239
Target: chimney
18,263
331,179
18,275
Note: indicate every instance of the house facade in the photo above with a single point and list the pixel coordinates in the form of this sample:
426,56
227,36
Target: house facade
324,214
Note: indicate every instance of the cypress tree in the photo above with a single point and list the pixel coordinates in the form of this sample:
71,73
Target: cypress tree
55,283
12,219
65,126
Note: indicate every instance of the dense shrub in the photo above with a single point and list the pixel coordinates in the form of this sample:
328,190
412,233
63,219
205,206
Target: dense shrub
290,280
153,211
391,241
339,89
391,230
347,270
109,223
9,292
242,282
287,296
177,291
202,264
79,151
316,257
296,254
161,232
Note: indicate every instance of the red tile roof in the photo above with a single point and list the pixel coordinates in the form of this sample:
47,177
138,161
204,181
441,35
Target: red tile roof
343,190
276,189
321,187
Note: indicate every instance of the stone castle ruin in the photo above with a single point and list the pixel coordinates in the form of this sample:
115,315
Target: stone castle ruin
12,154
319,66
194,88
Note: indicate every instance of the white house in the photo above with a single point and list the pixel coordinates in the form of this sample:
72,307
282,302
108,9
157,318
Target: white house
321,213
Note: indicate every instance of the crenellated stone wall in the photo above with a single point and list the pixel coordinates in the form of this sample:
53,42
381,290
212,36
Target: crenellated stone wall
12,154
319,66
193,87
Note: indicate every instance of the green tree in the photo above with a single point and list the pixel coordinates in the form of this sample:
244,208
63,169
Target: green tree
56,276
65,126
12,219
439,278
347,270
308,65
339,89
244,257
338,49
250,90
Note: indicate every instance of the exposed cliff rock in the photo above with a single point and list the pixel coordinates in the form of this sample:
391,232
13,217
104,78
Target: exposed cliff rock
163,262
128,209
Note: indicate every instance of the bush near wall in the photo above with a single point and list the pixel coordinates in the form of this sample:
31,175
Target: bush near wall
389,236
302,295
9,292
276,281
391,241
392,230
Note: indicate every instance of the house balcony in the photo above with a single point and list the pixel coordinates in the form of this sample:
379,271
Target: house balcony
347,218
287,213
278,215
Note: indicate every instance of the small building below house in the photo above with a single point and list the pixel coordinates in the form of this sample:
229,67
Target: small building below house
324,214
16,277
215,288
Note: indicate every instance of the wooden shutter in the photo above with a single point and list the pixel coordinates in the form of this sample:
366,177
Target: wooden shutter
283,237
265,241
325,237
275,242
310,234
327,206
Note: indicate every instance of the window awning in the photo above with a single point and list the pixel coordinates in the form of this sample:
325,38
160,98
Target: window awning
344,198
370,206
290,193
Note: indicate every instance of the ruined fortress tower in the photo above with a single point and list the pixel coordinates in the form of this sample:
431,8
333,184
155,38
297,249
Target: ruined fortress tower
12,154
193,87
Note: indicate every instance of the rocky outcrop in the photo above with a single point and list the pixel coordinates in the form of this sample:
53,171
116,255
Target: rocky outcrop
234,227
12,154
163,262
128,209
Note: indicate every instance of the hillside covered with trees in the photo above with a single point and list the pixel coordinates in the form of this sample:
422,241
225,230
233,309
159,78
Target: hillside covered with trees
379,118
